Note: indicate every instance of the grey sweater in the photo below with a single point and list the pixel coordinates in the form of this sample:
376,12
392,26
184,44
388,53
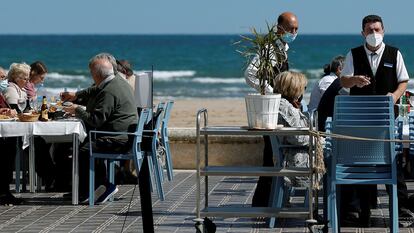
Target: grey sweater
109,108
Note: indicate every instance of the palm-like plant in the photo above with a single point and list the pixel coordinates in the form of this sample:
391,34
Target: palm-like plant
268,57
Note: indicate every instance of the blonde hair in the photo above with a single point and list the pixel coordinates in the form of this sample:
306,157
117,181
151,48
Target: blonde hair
18,70
290,84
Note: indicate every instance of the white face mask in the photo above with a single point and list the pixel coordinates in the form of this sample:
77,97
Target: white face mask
374,39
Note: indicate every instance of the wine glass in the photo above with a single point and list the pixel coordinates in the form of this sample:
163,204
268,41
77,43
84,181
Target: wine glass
21,103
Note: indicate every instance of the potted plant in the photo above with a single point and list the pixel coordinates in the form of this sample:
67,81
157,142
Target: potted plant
262,52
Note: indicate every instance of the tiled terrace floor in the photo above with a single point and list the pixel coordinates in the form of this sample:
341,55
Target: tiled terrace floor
49,212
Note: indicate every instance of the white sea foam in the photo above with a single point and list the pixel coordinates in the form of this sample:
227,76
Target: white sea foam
65,78
167,75
213,80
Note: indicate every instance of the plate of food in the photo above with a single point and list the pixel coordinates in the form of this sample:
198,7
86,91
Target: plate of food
6,118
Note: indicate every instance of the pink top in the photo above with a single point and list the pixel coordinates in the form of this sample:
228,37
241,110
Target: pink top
30,90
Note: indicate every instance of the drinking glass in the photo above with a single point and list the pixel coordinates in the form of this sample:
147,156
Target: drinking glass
21,103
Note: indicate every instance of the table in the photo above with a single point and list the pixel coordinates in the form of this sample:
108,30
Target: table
248,171
27,130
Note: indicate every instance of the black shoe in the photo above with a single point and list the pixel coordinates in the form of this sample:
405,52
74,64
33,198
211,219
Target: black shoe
9,199
405,217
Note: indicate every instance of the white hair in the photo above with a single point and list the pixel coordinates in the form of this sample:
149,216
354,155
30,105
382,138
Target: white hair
17,70
108,57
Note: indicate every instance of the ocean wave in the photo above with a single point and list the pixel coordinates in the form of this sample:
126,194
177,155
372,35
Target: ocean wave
65,78
213,80
167,75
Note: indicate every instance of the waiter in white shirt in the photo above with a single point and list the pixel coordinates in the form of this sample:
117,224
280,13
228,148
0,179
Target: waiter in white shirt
372,69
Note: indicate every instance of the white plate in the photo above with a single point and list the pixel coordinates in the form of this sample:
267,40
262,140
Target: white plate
8,119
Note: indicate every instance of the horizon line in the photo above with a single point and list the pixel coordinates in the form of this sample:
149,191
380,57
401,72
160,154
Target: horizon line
182,34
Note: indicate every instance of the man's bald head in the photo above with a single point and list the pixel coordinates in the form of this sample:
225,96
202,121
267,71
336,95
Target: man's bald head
287,22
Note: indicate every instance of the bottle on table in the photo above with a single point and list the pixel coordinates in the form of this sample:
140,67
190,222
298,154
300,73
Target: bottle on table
44,110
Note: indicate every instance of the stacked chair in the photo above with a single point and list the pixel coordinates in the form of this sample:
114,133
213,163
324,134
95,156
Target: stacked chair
357,162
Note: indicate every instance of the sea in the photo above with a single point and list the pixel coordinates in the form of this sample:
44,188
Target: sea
185,66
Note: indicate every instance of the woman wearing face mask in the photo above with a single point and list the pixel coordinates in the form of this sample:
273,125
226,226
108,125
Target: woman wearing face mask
3,80
38,72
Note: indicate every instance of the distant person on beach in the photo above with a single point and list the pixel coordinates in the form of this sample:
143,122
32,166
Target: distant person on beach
125,70
287,29
331,72
3,80
38,73
110,107
374,68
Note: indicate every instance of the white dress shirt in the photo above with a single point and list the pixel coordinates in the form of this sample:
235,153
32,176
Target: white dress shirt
250,73
320,88
374,60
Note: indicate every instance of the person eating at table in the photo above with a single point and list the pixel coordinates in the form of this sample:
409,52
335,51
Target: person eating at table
107,109
3,80
38,73
8,147
18,76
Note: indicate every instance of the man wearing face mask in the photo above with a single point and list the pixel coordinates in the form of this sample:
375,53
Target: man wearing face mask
287,28
3,80
373,69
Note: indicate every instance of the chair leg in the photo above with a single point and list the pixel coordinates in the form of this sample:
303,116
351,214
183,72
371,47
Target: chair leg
276,197
17,164
91,181
332,205
168,161
111,166
151,171
157,174
393,205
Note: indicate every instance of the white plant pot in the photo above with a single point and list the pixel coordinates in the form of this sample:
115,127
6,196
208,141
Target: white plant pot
262,110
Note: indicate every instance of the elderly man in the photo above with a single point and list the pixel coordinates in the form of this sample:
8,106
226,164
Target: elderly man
287,28
375,69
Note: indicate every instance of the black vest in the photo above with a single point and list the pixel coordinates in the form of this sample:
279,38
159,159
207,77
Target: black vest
385,80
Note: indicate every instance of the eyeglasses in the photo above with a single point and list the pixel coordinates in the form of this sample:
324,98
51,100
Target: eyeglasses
25,79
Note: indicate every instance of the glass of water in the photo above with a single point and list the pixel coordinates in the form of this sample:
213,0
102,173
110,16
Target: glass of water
21,103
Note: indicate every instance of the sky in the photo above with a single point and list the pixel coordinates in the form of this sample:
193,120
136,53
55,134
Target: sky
196,16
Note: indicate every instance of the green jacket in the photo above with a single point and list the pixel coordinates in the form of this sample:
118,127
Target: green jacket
109,108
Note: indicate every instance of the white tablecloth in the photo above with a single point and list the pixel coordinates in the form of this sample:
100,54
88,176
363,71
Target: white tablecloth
50,128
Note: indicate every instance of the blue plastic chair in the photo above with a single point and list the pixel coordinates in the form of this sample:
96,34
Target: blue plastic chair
135,154
280,193
164,139
355,162
156,171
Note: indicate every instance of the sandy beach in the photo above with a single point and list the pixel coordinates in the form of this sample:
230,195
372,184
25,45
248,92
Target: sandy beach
220,112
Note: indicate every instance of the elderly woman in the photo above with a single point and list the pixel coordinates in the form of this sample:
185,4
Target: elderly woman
18,76
3,80
291,85
38,72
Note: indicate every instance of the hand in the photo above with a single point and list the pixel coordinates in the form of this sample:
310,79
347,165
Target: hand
70,109
361,80
394,98
68,96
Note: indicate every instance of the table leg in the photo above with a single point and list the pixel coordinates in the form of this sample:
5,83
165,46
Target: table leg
32,171
75,170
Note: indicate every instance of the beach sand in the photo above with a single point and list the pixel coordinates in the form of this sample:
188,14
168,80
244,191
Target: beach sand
220,112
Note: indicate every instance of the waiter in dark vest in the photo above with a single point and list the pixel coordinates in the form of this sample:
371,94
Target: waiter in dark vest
372,69
287,27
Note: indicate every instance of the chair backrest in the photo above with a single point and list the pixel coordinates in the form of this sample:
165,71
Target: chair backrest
139,130
166,118
368,117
